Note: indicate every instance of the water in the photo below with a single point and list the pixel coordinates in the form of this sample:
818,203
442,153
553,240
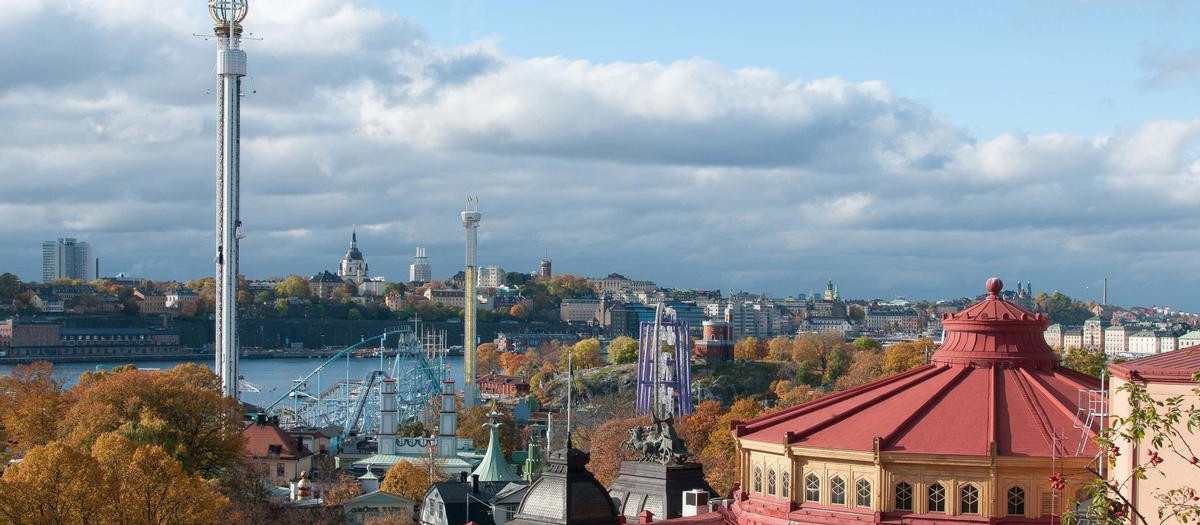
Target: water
272,376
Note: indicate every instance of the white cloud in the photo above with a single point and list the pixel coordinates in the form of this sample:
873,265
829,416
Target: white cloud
687,172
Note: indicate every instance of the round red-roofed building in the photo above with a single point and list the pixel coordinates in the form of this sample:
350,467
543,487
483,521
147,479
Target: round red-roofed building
972,437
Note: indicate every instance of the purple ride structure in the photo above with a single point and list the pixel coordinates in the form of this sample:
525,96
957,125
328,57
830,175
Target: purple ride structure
664,380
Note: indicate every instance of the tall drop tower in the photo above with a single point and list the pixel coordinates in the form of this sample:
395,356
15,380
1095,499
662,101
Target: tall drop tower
470,221
227,16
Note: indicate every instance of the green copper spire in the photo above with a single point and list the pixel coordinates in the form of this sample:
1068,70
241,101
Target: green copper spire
494,467
533,459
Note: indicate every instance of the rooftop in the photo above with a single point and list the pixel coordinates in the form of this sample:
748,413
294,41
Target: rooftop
1179,366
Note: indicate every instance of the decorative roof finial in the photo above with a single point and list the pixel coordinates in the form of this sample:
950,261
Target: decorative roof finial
353,235
994,286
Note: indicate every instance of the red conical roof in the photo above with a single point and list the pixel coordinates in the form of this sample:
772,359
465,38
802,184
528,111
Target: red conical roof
995,333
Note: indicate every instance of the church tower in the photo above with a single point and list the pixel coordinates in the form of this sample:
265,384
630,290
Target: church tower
353,268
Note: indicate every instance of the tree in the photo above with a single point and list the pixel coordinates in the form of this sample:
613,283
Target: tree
866,343
902,357
623,349
406,480
855,312
718,458
486,358
146,486
54,483
181,410
31,405
791,393
394,289
512,362
585,354
10,286
695,428
865,366
293,286
749,349
839,363
519,311
472,425
1089,362
345,489
607,449
779,348
1063,309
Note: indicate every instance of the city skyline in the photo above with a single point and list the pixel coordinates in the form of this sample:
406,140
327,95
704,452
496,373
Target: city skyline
676,164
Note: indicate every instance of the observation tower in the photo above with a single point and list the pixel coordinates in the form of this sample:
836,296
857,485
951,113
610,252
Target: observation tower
227,18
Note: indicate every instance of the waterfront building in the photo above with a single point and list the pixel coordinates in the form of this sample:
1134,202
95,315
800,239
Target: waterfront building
67,258
490,276
879,453
1093,333
25,339
420,271
1164,376
892,319
1116,339
353,268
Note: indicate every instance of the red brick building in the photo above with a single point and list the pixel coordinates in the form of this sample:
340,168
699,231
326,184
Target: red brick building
497,385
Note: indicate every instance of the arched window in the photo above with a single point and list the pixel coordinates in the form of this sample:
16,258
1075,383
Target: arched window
771,482
758,480
837,491
786,485
1016,501
968,499
937,498
862,493
904,496
812,488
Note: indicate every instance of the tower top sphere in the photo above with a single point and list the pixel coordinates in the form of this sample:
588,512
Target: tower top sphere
222,10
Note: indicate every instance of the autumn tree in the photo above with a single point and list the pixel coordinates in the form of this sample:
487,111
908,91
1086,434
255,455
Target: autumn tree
519,311
622,350
181,410
585,354
695,428
472,425
511,362
31,405
902,357
344,489
779,348
487,359
606,449
146,486
865,366
54,483
389,518
749,349
791,393
406,480
718,458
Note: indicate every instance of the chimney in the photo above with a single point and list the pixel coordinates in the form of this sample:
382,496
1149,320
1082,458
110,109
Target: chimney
645,516
475,483
462,477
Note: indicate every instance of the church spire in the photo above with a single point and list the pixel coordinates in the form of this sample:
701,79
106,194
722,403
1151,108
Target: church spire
494,467
354,236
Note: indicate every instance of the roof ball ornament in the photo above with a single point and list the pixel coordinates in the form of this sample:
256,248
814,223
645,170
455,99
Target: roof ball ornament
994,286
220,10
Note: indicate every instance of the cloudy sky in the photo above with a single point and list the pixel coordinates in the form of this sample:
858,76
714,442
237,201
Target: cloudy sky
899,152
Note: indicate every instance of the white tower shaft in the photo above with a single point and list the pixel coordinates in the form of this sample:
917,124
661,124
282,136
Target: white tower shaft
231,67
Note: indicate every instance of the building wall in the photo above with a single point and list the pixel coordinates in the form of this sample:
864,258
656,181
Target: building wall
1173,471
1143,344
280,471
578,310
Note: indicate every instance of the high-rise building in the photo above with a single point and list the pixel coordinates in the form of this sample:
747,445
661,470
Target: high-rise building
66,258
544,269
420,270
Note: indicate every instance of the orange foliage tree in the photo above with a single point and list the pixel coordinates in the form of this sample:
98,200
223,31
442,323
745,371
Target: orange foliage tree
606,449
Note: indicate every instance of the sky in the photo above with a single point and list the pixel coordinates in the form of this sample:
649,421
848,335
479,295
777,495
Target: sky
897,148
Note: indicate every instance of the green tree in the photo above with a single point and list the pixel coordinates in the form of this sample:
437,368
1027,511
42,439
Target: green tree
622,350
1063,309
10,286
1089,362
293,286
839,363
866,343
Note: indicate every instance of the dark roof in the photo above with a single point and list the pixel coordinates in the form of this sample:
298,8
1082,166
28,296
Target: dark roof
325,277
1179,366
454,495
566,494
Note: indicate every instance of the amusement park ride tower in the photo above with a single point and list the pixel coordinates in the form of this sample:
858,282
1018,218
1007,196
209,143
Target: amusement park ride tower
227,16
470,222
